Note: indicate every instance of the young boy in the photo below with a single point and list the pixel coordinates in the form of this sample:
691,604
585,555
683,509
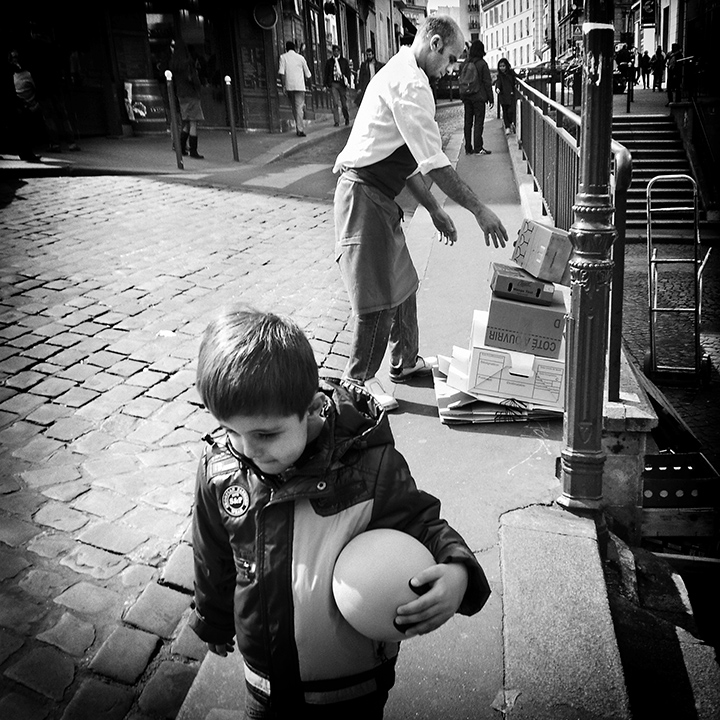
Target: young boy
303,468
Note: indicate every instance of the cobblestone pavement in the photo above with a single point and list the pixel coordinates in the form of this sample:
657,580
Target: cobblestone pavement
106,286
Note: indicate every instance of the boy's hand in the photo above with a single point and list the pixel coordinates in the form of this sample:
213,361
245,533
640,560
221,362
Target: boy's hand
435,607
222,649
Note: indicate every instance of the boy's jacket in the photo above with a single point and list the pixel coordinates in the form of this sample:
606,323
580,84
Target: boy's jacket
265,549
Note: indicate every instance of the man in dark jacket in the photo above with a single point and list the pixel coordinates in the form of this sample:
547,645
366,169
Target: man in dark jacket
337,79
475,104
367,71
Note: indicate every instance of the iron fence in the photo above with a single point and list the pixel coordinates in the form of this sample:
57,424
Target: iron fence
549,138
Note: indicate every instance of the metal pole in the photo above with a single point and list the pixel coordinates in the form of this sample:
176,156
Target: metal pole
591,268
230,100
553,51
174,120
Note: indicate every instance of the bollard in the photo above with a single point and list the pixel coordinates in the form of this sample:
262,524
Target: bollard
173,120
230,100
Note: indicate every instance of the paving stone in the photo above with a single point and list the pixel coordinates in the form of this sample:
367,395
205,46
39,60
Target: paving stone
150,432
142,407
67,491
179,570
53,387
165,692
101,381
188,644
70,634
110,464
158,610
44,670
138,575
24,380
93,561
104,503
15,706
79,373
15,532
44,584
18,434
164,456
22,403
61,517
115,537
9,643
51,545
125,654
11,564
49,413
96,700
18,611
77,397
38,449
69,429
180,500
53,475
162,523
23,504
85,597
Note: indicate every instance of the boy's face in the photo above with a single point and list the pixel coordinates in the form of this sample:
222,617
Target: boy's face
273,442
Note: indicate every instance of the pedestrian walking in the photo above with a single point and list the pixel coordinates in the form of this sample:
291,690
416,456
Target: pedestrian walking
294,71
505,87
337,79
674,73
27,118
658,69
475,94
187,89
645,65
301,467
394,142
368,69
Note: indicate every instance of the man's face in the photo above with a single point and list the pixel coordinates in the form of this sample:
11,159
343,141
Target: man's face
442,57
369,55
336,52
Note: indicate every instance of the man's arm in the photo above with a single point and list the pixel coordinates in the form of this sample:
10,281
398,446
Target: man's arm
442,221
455,188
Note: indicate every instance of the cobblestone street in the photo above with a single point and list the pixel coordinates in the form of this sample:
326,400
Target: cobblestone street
107,284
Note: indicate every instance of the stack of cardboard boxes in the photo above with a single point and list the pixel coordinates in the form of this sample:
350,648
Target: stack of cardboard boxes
514,368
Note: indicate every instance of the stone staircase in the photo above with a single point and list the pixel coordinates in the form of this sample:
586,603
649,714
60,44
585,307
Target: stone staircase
656,147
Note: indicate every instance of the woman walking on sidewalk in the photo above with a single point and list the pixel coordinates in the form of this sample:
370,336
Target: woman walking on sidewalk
187,88
505,89
475,101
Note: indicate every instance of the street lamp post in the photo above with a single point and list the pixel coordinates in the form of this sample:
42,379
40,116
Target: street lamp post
592,235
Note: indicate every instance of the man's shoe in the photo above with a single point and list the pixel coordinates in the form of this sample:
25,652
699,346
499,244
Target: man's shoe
347,121
423,366
483,151
507,131
471,152
375,388
301,134
337,124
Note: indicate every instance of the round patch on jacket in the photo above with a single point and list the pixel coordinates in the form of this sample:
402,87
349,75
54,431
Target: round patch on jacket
236,501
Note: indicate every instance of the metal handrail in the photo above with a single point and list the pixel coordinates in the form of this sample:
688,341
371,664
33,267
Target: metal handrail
548,136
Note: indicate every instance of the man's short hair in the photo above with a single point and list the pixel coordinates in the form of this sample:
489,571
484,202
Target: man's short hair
335,47
255,363
289,45
442,25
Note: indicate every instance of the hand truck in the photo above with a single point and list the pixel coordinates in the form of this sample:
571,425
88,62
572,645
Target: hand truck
660,302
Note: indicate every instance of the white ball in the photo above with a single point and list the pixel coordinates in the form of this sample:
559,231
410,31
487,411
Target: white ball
371,580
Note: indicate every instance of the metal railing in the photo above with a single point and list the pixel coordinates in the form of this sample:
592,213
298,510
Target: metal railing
549,138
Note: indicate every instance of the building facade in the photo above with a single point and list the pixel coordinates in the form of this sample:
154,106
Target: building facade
108,59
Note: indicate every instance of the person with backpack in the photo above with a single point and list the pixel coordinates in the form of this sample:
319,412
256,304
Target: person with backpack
476,92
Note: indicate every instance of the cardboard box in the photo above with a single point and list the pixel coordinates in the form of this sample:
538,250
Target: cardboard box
534,329
511,281
490,373
543,251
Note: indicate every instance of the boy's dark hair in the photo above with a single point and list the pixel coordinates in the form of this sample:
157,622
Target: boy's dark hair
477,49
289,45
255,363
